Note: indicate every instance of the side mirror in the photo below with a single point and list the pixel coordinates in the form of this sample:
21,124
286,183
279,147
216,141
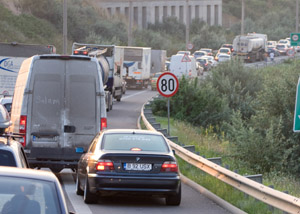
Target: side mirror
174,152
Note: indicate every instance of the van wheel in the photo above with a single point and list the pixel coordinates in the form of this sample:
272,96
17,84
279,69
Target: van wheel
88,197
79,191
174,200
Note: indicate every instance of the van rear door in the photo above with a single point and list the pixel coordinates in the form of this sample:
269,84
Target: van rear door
82,110
65,105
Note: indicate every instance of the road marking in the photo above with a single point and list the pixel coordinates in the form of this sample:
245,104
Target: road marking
132,95
76,200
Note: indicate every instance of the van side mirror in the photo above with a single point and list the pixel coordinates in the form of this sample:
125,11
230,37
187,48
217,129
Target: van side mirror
173,151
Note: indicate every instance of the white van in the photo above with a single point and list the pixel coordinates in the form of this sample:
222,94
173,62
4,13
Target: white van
58,108
184,65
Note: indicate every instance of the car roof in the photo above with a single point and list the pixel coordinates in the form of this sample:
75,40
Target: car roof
4,100
27,173
130,131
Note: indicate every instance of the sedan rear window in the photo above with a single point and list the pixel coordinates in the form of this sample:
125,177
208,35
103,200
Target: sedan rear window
134,142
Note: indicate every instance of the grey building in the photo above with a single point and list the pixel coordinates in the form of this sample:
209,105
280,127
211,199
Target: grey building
145,11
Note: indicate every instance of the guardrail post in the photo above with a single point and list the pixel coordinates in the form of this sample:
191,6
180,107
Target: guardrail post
173,138
271,208
258,178
217,160
151,120
156,125
191,148
163,131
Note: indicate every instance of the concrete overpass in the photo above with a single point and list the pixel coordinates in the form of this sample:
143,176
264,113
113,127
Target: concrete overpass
144,12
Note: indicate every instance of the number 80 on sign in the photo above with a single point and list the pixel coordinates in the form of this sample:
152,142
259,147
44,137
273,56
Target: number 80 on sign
167,84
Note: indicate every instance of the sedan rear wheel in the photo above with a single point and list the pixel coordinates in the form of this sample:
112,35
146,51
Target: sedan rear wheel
79,191
174,200
88,197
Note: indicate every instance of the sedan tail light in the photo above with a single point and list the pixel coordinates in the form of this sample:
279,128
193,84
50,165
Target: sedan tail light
169,166
105,165
22,129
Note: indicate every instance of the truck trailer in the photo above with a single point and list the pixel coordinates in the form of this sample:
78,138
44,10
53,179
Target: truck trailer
110,58
251,47
137,66
11,57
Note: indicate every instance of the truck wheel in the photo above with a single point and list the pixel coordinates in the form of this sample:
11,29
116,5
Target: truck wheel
119,98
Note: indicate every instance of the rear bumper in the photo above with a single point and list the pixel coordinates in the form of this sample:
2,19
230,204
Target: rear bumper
156,185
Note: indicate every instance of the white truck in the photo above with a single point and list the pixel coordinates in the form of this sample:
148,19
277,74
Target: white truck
158,61
11,57
251,47
137,66
111,57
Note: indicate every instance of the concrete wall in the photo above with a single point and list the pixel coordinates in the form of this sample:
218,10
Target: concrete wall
144,12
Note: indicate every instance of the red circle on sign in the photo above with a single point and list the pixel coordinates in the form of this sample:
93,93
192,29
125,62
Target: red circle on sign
290,52
158,81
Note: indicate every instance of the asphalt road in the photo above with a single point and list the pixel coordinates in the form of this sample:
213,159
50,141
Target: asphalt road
125,115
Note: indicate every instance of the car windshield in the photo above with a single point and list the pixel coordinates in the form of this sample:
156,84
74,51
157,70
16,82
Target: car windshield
280,46
134,142
224,50
224,56
202,61
157,74
27,196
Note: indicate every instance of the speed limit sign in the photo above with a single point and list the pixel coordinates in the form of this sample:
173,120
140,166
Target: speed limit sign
167,84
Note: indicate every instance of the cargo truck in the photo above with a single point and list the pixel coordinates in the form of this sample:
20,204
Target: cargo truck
11,57
137,67
110,58
251,47
158,61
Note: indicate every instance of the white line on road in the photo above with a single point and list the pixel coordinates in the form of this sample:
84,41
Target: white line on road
76,200
132,95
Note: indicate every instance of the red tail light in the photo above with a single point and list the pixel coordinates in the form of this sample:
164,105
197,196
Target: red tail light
22,128
105,165
169,166
103,123
23,123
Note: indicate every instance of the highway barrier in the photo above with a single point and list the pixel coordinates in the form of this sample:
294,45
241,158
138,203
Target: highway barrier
254,188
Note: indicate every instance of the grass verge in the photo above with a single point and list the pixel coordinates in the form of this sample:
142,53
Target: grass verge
208,145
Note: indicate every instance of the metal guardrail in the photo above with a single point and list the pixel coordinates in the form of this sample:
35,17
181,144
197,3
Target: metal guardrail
261,192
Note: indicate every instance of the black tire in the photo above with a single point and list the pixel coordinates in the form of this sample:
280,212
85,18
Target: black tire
88,197
174,200
79,191
119,98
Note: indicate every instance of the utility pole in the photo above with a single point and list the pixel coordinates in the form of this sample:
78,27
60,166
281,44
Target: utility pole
187,25
65,29
129,31
297,15
243,16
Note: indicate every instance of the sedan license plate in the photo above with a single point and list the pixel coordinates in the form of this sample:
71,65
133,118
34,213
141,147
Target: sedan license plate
138,166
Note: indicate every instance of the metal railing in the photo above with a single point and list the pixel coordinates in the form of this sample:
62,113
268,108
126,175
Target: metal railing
275,198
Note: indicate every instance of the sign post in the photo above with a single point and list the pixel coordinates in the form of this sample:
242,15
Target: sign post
296,127
167,85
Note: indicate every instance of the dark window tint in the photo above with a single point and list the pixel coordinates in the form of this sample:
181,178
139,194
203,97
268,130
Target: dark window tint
130,142
7,158
8,106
